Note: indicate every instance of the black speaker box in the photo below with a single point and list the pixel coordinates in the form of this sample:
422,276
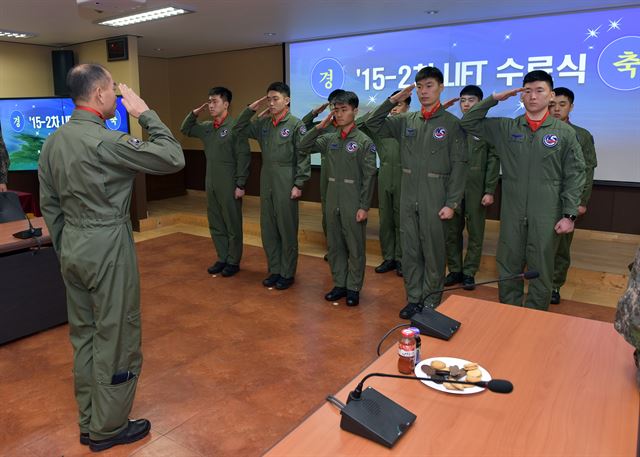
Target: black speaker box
376,417
62,62
432,323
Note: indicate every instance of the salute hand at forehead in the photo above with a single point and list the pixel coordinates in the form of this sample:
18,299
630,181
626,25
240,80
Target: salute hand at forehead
449,103
199,109
327,120
131,101
255,105
403,94
502,96
320,108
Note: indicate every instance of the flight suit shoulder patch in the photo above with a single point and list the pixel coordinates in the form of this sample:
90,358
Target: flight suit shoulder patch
302,130
410,131
135,142
373,148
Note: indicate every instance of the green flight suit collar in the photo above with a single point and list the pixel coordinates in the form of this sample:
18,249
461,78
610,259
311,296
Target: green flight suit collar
83,115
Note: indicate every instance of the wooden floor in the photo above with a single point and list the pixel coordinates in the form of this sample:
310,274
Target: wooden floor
230,367
598,274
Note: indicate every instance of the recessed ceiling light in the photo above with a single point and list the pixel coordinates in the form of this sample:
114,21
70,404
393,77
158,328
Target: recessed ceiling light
147,16
269,34
431,11
158,49
13,34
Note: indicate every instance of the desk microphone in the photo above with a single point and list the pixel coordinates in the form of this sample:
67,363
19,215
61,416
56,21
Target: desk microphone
432,323
32,232
376,417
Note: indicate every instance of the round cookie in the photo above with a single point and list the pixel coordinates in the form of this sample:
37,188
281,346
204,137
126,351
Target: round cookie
438,365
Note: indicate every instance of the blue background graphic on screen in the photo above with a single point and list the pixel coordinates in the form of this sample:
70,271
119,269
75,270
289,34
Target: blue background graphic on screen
619,63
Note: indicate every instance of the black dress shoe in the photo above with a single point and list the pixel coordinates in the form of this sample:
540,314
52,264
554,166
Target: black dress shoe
136,430
216,268
336,294
284,283
84,439
271,280
408,311
398,268
387,265
555,297
468,282
230,270
353,298
454,277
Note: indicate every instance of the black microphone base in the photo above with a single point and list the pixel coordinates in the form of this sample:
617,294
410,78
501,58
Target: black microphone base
376,417
30,233
432,323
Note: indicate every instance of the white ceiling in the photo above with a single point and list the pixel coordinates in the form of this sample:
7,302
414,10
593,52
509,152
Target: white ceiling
221,25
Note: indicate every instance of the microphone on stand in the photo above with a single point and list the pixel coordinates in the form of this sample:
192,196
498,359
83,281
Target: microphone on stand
31,232
376,417
432,323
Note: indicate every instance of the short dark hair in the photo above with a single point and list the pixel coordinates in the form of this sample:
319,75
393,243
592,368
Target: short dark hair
560,91
281,87
538,75
407,100
224,93
83,78
348,98
334,94
430,72
472,90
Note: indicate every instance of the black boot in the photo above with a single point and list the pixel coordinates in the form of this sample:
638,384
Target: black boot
454,277
136,430
387,265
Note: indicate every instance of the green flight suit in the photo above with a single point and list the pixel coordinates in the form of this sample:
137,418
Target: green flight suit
482,178
389,183
542,178
86,177
228,158
350,165
563,253
282,168
433,155
309,123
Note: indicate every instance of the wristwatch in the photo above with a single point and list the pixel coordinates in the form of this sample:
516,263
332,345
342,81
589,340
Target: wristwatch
573,217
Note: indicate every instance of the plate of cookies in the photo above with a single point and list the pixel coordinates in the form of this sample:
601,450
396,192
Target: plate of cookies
453,369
